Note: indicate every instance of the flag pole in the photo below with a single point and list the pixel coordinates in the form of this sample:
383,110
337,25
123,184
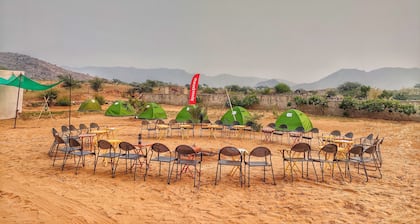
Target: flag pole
230,104
17,102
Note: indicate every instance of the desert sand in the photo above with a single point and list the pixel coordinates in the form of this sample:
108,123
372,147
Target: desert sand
33,191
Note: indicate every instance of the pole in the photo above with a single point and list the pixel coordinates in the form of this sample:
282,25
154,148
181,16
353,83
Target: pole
17,102
230,104
71,85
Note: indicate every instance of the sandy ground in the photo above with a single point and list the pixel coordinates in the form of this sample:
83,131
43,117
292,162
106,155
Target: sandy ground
33,191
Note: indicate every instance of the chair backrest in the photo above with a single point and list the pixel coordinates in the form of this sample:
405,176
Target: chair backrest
236,123
349,135
144,122
356,150
54,132
94,126
371,149
301,147
104,144
260,151
160,148
315,130
335,133
229,151
72,128
300,129
370,136
83,127
64,129
218,122
126,146
330,148
159,121
283,127
59,140
207,121
173,121
271,125
183,150
74,143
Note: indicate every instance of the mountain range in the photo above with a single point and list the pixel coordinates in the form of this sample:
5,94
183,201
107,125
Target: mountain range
383,78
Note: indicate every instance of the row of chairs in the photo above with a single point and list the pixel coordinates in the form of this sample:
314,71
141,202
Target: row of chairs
368,155
174,128
185,156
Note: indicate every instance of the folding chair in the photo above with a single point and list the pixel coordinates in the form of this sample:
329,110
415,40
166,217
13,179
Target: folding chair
128,153
111,153
259,157
164,155
299,153
328,154
229,156
186,157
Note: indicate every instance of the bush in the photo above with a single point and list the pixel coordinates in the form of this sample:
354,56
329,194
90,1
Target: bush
63,101
100,99
300,101
246,102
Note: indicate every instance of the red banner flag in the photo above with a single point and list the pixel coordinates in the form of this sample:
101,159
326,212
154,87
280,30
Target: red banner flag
193,89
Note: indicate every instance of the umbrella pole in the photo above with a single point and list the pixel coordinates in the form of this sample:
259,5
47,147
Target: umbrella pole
17,102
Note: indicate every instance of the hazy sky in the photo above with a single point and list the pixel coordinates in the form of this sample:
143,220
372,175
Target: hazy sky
296,40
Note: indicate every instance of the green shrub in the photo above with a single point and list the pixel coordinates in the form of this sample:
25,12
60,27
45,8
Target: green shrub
63,101
100,99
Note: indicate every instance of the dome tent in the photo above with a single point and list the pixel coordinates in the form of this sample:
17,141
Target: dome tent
90,105
153,111
120,108
294,118
191,112
241,114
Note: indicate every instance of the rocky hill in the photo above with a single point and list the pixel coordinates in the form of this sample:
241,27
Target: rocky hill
35,68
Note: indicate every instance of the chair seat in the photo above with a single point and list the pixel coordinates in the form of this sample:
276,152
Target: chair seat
110,155
163,159
257,163
83,153
189,161
230,163
130,156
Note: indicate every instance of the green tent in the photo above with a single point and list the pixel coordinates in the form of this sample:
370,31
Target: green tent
24,82
187,113
241,115
293,119
90,106
120,108
153,111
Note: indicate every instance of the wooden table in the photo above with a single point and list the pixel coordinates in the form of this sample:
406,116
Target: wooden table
162,130
184,130
90,137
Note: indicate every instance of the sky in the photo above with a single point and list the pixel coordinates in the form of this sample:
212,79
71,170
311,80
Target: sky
294,40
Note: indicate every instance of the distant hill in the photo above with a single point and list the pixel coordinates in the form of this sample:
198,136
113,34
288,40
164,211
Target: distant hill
273,82
35,68
384,78
174,76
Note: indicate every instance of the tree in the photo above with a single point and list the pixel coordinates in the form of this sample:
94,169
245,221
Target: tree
349,89
68,81
385,94
96,84
282,88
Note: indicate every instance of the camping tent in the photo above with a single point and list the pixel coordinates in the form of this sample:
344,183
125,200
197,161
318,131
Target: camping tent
240,113
120,108
153,111
11,97
90,106
187,113
293,119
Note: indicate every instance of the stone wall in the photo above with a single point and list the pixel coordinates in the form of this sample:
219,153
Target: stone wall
279,103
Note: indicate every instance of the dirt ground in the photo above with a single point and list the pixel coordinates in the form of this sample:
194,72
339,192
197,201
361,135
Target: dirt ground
33,191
